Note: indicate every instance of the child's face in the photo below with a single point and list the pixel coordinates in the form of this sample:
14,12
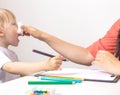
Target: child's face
10,34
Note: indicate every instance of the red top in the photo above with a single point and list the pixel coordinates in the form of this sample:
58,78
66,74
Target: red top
108,42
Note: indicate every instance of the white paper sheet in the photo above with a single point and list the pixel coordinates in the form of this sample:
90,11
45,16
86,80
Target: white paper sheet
87,74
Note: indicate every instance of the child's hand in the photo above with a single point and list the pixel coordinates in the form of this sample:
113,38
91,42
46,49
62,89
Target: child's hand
54,63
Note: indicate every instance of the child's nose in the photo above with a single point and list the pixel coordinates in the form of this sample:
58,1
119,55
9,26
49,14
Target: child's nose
20,31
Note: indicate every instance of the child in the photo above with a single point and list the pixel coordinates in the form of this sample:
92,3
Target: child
10,67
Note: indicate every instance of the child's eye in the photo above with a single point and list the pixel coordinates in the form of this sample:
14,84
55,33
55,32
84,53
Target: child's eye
14,24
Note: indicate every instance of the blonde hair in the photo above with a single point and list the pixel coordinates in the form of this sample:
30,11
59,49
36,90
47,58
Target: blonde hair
6,16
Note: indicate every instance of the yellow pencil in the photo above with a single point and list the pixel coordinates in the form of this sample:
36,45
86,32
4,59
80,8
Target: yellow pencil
67,77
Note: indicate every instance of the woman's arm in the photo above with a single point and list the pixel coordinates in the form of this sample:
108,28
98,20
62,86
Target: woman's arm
77,54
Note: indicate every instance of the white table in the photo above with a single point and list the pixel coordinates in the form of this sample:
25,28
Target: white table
20,87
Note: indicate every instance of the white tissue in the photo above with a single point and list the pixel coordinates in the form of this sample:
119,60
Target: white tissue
20,31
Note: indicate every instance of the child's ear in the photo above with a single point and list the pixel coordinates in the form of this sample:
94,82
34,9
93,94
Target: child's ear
1,32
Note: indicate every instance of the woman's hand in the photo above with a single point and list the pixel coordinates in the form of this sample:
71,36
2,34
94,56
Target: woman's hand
29,30
108,62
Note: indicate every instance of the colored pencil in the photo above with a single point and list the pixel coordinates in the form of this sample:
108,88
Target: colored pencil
66,77
50,82
46,54
60,79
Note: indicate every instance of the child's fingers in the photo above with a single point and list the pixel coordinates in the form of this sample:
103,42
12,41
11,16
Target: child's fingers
60,57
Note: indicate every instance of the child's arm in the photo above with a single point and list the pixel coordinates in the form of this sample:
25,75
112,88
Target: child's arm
25,68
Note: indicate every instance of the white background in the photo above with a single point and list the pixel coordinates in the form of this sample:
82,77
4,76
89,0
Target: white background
80,22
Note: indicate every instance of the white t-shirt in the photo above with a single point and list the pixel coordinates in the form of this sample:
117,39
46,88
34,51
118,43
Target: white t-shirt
7,55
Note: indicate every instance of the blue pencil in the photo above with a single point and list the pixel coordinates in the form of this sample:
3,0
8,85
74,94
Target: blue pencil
59,79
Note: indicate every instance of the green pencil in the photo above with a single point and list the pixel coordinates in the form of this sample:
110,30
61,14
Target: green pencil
50,82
